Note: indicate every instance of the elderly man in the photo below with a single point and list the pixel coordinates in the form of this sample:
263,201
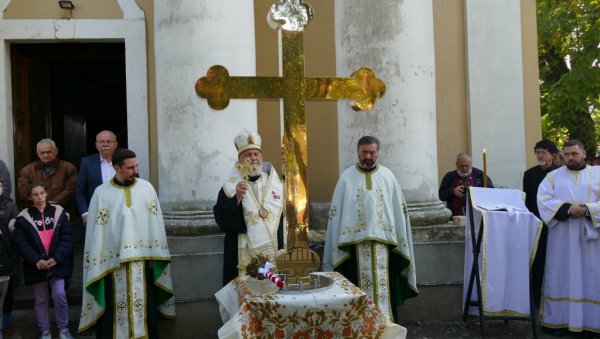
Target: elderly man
127,267
546,153
454,184
569,203
249,208
369,238
58,176
95,170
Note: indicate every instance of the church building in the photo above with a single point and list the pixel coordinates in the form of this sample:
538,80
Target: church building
461,76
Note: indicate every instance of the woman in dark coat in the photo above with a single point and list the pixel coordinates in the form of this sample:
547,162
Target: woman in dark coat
8,212
44,238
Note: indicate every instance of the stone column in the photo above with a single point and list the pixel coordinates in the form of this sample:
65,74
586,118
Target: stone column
496,88
195,142
395,38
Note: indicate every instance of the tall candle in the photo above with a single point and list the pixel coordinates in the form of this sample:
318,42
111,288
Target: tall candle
484,170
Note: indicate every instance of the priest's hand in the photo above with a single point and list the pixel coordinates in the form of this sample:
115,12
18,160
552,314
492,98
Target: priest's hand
459,191
240,190
577,211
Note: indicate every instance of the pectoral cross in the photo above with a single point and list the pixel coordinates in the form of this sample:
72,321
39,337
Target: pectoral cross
217,87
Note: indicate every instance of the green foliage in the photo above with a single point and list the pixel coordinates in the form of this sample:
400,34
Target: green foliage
569,53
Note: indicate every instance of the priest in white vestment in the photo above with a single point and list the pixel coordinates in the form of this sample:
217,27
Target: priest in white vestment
249,208
368,235
126,263
569,203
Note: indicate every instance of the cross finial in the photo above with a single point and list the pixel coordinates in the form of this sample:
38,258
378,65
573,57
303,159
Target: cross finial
290,15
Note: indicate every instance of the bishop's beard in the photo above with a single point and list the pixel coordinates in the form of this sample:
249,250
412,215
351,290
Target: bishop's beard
464,174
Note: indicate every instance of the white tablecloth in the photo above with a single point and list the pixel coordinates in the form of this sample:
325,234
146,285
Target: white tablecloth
509,243
253,309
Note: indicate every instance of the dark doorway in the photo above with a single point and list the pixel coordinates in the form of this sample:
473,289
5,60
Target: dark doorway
67,92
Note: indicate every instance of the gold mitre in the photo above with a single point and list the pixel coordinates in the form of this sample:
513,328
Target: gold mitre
247,140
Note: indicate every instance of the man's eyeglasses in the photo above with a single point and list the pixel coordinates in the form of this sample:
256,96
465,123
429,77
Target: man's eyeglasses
105,141
541,152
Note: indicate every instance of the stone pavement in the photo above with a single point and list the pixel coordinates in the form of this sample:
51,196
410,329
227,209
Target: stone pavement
24,327
493,329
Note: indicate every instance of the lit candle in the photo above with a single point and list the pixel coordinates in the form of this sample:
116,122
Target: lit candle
484,170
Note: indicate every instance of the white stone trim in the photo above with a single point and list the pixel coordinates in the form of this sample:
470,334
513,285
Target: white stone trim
131,31
3,5
130,9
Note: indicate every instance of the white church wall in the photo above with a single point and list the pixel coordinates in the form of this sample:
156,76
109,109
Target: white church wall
196,150
396,40
495,89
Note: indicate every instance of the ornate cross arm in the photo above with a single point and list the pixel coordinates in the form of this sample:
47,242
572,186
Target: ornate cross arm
363,87
217,87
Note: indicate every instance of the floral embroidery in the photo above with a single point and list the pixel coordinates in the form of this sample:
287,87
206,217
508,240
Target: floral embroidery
265,316
153,207
102,217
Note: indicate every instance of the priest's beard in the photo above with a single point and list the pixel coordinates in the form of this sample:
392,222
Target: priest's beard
464,174
367,164
576,166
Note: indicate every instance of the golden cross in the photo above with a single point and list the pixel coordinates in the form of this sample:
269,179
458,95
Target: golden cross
246,168
217,87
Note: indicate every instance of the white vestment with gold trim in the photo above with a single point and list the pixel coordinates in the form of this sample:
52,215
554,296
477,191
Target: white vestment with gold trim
572,276
125,228
266,194
368,211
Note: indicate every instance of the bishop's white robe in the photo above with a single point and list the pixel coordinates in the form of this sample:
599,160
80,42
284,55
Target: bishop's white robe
265,194
572,276
369,228
125,228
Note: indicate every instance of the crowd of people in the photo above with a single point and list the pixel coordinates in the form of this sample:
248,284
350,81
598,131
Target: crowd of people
368,236
563,191
39,239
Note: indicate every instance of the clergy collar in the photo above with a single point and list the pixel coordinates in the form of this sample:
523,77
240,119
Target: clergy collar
362,170
254,178
126,183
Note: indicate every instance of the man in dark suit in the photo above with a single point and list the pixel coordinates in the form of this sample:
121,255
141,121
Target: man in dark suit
95,170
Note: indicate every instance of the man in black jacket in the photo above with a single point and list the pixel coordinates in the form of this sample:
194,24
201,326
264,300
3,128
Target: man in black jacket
454,184
545,152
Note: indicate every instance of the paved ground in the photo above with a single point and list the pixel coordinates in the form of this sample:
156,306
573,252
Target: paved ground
493,329
24,327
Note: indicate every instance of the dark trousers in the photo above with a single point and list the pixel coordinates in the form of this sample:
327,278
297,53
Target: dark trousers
537,268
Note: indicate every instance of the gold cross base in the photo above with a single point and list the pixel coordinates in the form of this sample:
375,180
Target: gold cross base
299,262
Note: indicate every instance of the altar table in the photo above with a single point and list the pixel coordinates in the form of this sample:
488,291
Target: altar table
253,308
508,245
